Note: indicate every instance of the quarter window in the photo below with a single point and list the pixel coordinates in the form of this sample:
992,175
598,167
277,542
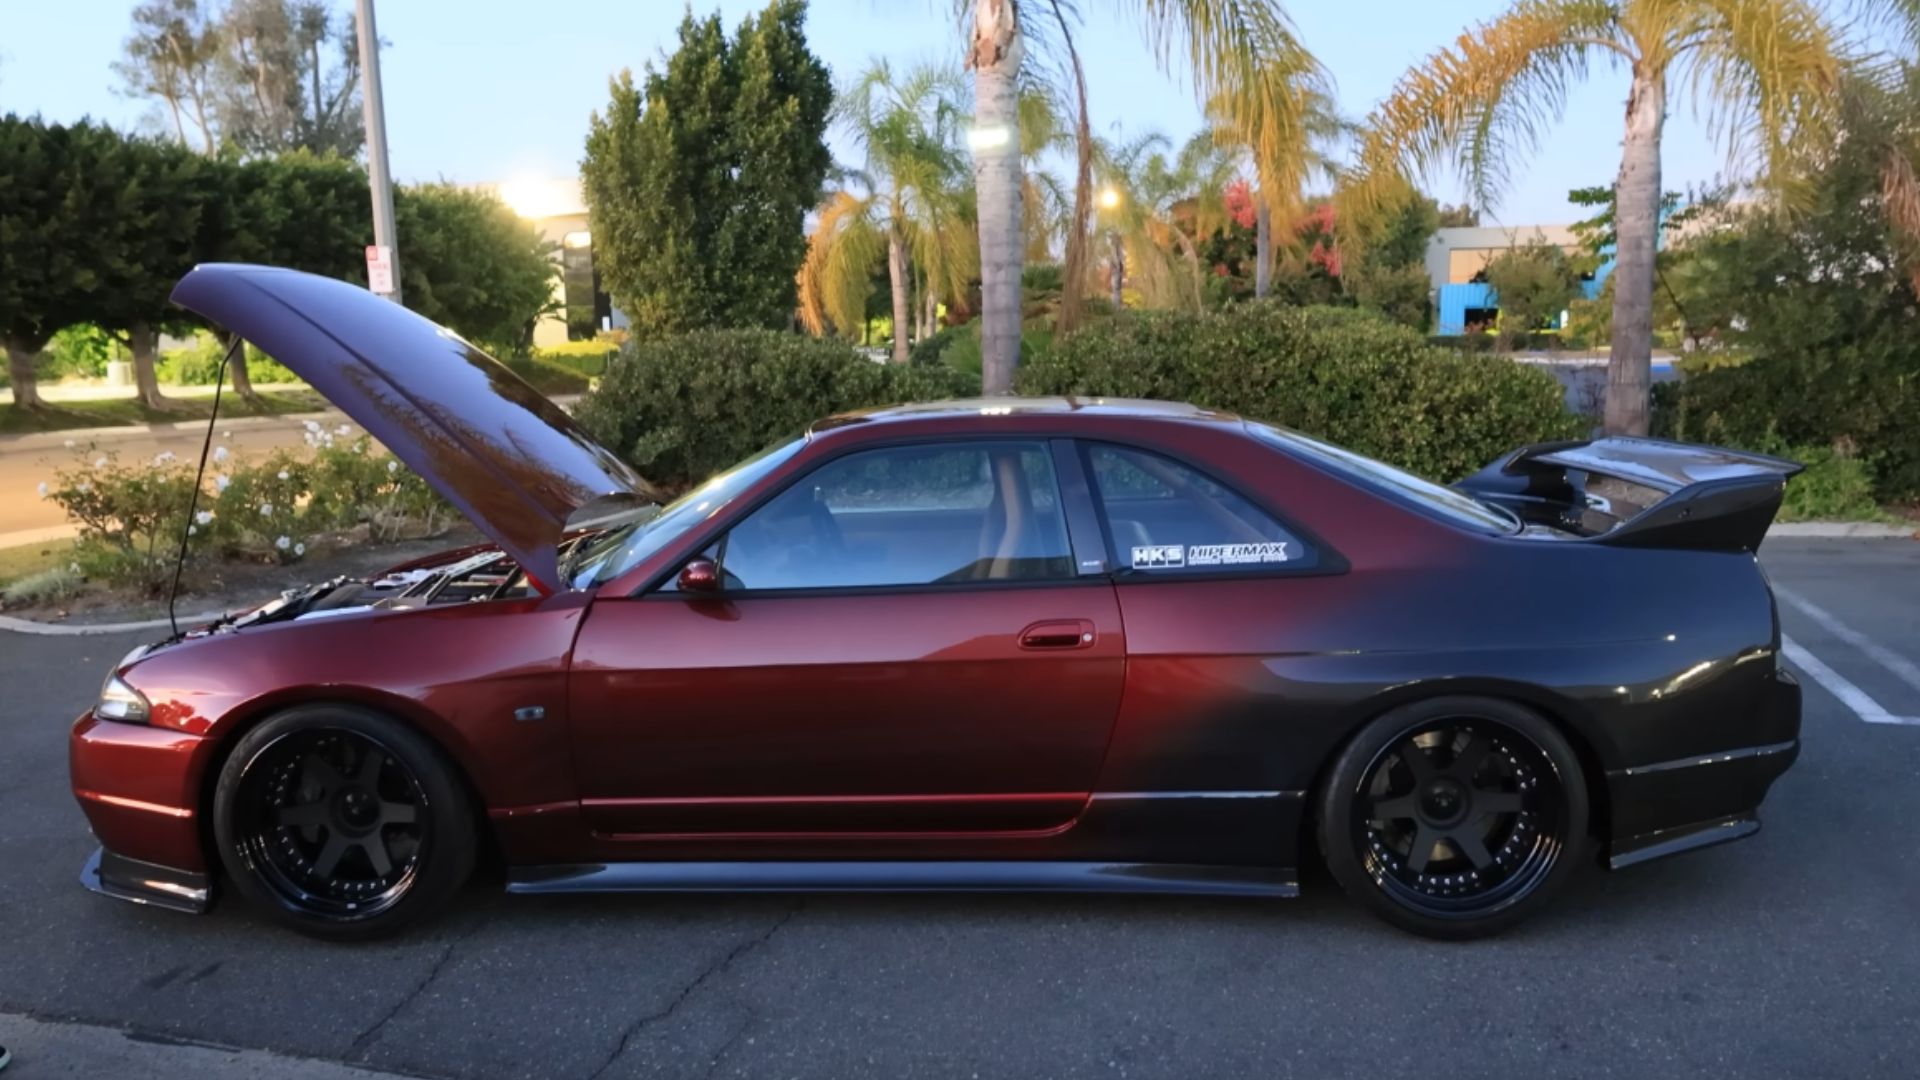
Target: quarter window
1167,518
918,515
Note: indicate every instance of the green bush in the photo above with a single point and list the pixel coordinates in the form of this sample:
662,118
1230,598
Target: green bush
932,348
547,376
79,351
1861,398
198,363
682,408
1349,376
1835,487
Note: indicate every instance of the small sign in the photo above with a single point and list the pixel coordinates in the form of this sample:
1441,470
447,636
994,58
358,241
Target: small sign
380,269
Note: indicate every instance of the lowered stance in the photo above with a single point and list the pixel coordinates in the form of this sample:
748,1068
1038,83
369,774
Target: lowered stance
1067,644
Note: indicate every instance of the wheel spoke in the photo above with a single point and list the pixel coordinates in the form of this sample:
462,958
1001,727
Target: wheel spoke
1497,802
315,769
1469,844
1424,837
1417,760
1400,809
370,761
397,813
376,850
302,817
329,858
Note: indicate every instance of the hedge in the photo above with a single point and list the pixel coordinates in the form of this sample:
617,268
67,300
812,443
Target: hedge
684,407
1346,375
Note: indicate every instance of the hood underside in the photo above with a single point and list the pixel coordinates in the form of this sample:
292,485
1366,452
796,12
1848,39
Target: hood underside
511,460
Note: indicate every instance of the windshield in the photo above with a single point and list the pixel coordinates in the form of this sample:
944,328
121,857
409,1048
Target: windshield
1461,509
631,539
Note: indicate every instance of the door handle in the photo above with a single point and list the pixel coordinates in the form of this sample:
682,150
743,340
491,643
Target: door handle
1058,634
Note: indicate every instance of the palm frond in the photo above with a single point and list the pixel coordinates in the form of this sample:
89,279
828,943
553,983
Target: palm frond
842,252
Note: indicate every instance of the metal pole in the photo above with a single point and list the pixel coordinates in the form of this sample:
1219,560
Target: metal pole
376,120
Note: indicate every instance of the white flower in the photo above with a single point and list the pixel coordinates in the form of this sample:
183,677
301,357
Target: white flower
220,482
219,454
193,530
74,566
266,509
203,517
83,488
343,429
283,474
100,462
226,434
299,549
69,444
164,457
283,543
393,466
311,425
43,489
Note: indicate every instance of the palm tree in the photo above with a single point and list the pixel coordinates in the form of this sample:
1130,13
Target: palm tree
1165,203
1282,167
1225,43
1766,70
908,201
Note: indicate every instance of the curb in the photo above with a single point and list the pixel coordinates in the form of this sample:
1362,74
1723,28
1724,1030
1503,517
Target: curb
1851,530
29,626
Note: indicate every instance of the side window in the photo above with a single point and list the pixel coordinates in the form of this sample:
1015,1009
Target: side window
1167,518
913,515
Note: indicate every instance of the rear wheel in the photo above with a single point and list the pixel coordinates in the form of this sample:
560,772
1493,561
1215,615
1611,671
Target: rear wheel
342,823
1454,817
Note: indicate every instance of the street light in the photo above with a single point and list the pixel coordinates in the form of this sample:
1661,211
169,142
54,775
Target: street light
1109,199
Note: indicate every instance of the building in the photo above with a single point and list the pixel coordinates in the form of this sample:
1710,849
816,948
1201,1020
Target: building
1457,261
558,209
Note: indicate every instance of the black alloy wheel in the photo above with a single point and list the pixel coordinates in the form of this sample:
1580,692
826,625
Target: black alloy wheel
342,822
1455,817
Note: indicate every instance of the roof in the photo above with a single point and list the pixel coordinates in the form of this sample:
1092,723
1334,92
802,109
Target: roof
1059,407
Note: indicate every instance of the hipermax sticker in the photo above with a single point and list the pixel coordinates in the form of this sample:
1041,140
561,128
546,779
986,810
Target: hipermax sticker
1236,554
1159,556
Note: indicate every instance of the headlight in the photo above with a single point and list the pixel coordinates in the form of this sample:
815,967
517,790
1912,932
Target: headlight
121,702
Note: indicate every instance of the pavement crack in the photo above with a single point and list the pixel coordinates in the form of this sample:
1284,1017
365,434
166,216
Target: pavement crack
694,984
363,1042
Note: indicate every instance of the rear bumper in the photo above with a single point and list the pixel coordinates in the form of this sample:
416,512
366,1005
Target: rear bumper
1668,807
115,875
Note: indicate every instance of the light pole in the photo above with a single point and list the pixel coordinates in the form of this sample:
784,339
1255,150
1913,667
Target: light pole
383,259
1117,255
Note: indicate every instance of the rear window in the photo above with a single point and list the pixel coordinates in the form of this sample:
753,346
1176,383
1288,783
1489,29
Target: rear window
1397,484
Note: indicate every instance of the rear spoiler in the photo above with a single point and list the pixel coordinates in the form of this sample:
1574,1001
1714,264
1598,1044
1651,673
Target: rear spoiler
1637,492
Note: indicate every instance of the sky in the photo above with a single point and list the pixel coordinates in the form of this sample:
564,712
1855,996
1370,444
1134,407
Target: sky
498,90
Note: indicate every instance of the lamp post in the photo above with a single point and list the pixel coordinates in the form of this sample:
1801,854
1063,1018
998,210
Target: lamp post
1116,254
383,259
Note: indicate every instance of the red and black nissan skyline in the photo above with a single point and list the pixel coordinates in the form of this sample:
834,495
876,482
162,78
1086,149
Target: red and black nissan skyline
1013,644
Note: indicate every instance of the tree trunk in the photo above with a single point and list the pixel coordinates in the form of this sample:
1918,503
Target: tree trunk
933,312
22,363
1637,217
1118,259
994,56
237,372
1078,236
902,305
144,343
1193,264
1262,248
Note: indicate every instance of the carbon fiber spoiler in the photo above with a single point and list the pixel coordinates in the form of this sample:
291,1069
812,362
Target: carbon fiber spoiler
1639,492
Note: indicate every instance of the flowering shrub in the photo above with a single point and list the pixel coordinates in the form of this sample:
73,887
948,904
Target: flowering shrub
276,509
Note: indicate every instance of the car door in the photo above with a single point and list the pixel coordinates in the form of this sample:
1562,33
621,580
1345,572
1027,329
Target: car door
904,642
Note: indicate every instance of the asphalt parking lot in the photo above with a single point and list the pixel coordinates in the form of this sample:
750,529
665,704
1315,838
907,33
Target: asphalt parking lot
1795,953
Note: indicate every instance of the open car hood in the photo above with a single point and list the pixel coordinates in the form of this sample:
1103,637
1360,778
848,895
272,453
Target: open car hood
511,460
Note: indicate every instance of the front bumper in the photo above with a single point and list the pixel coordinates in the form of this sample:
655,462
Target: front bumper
115,875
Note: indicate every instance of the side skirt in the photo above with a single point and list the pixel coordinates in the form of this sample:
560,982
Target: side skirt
906,876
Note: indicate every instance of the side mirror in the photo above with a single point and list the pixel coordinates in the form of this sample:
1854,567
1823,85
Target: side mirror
700,576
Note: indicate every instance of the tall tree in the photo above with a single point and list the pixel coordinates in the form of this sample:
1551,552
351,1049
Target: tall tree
1284,158
1168,201
473,264
170,56
909,195
699,180
1768,70
50,240
1225,44
287,77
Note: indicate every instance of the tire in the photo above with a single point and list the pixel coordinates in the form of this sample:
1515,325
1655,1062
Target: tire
342,823
1455,817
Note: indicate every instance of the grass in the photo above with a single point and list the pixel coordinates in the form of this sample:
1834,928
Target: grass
19,562
121,412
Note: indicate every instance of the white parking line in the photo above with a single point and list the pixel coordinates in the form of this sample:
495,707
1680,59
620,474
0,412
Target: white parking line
1907,670
1836,684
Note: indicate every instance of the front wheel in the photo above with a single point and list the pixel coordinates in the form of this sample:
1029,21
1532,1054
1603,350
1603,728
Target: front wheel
342,823
1455,817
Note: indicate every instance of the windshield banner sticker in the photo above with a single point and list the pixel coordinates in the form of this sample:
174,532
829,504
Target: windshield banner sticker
1159,556
1236,554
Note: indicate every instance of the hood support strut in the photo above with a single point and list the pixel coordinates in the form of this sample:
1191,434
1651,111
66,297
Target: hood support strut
199,474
